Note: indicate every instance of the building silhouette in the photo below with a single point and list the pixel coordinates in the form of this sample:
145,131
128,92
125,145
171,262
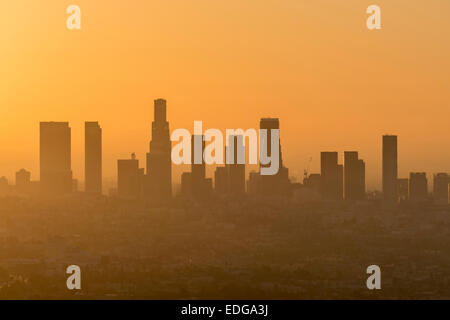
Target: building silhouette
23,181
55,158
93,157
354,176
329,188
129,178
440,188
159,163
390,168
277,184
418,186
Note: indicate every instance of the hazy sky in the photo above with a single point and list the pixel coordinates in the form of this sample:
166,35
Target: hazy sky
334,84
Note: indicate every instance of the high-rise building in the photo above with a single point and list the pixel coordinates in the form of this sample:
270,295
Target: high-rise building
329,175
277,184
55,157
23,181
236,167
440,188
93,157
418,186
354,176
390,168
129,180
159,163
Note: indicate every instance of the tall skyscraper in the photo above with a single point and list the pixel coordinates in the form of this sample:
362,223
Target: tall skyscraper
329,175
440,188
129,177
55,157
390,168
418,186
93,157
159,163
277,184
354,176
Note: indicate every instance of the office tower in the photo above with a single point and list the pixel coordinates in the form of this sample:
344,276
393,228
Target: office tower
221,180
93,157
235,166
403,189
340,182
55,157
277,184
159,163
129,177
23,181
418,186
440,188
390,168
329,175
354,176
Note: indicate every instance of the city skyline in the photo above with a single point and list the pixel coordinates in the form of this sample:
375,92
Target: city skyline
336,85
342,176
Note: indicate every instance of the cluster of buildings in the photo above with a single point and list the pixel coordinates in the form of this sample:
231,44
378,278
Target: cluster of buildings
335,182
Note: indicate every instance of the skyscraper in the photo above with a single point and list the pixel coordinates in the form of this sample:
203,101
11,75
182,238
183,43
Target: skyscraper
93,157
277,184
354,176
159,163
329,175
418,186
390,168
55,157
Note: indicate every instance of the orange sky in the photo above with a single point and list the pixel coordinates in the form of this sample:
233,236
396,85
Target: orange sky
334,84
